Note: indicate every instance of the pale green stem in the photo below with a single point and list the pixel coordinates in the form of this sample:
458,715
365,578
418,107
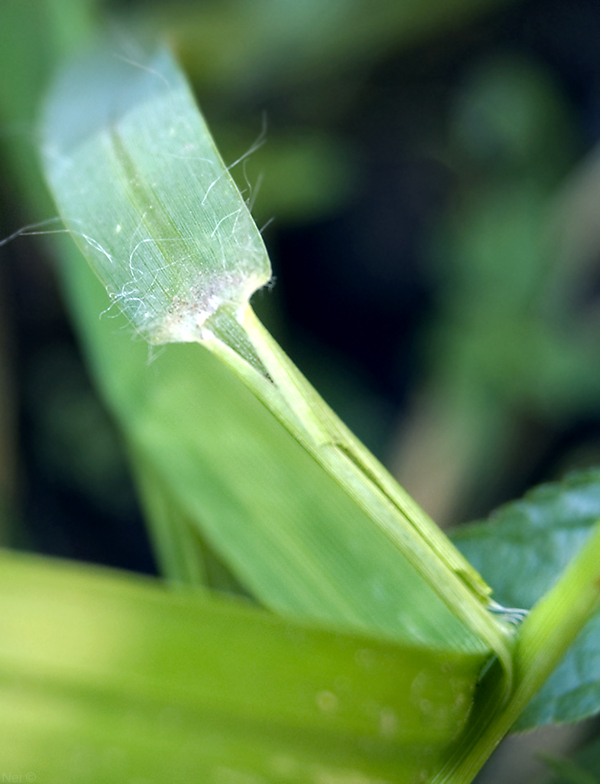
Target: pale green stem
544,638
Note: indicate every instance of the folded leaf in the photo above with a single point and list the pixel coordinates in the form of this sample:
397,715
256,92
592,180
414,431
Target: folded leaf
288,531
300,511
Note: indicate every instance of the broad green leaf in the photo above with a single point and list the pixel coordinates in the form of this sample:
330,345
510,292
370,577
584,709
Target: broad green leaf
301,512
107,677
521,551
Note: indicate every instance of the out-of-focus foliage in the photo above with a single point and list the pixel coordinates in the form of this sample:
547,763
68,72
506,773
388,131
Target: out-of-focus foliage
584,769
507,344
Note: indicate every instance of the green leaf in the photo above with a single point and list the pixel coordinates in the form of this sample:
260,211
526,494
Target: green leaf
300,511
521,552
250,488
544,638
108,677
169,258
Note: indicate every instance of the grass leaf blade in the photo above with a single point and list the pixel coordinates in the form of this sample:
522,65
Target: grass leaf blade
302,518
108,677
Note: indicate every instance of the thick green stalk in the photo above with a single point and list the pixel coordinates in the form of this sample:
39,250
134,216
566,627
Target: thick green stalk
544,638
